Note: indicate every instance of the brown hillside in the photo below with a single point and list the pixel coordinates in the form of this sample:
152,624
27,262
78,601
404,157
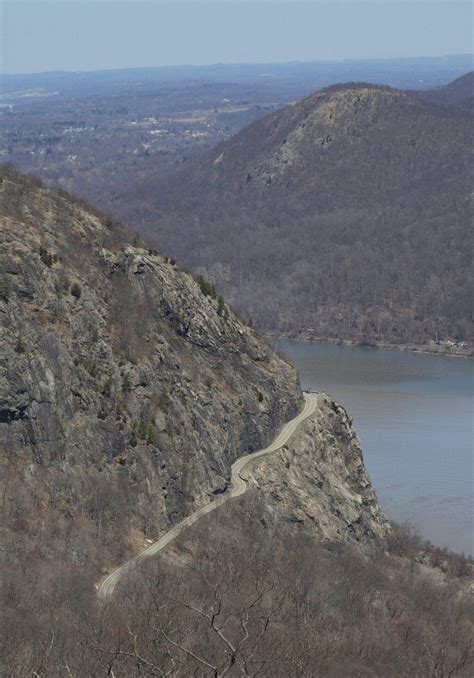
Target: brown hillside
347,213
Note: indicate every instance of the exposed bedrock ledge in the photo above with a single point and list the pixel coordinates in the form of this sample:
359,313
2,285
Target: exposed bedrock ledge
319,482
120,378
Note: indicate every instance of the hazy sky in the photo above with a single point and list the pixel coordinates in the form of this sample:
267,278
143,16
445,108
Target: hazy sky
80,35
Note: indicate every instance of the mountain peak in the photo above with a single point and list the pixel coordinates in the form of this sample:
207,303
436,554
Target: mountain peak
333,193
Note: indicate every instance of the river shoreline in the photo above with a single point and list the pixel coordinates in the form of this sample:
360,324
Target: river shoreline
413,416
428,349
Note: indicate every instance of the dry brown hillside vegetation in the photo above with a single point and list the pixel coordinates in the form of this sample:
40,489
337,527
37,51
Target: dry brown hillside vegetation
242,595
347,215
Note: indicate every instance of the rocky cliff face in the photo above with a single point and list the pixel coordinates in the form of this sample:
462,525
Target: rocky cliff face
127,390
124,389
319,483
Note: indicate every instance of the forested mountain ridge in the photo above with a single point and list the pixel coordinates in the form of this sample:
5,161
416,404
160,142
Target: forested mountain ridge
460,92
345,215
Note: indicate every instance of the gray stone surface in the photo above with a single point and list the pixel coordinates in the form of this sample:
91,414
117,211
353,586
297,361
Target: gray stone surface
138,383
124,391
318,481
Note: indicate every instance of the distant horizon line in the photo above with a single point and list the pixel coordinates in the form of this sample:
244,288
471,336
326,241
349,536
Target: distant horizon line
223,64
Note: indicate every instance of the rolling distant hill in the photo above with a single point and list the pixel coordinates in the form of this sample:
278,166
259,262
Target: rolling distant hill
344,215
460,92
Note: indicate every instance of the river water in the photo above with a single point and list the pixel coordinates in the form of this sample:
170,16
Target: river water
414,416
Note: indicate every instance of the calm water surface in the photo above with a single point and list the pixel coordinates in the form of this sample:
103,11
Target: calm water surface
414,416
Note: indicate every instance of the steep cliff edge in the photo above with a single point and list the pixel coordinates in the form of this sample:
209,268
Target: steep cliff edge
319,483
125,391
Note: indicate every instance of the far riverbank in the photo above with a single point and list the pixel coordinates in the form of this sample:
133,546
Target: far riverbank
445,349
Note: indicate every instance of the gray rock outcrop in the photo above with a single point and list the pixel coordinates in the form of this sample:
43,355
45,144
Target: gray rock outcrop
318,481
123,387
128,389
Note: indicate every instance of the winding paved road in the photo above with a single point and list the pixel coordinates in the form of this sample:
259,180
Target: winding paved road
238,487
